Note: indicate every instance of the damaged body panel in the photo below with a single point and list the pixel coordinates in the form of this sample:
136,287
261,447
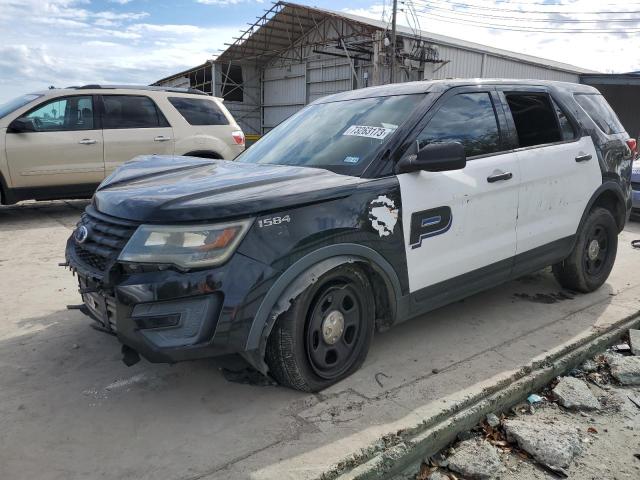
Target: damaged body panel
341,221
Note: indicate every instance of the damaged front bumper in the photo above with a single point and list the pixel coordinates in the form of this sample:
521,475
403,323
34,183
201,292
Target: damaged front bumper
167,315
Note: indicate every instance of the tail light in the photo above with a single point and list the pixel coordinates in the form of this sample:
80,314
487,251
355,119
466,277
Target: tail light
633,146
238,137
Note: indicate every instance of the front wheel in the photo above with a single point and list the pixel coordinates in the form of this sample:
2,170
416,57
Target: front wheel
325,335
590,263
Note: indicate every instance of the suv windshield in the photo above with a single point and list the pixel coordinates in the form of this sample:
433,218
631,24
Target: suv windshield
339,136
16,103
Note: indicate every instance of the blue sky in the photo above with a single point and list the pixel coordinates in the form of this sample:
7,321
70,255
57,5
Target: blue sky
68,42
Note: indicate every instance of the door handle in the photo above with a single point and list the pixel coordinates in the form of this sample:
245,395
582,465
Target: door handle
583,158
87,141
161,138
500,176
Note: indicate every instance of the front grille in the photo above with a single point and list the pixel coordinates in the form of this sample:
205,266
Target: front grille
101,305
106,238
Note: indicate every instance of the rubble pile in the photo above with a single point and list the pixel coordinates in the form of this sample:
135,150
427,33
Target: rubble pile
549,434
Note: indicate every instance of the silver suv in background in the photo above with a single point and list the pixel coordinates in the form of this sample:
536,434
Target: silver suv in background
61,143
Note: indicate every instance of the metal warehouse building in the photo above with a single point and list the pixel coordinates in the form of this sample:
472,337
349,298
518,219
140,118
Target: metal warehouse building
294,54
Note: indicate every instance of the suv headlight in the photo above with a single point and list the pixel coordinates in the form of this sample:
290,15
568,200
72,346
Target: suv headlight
185,246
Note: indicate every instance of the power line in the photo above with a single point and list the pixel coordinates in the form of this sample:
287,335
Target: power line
515,10
569,4
495,26
431,6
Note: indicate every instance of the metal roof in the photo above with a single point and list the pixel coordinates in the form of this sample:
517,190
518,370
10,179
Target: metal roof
285,23
182,74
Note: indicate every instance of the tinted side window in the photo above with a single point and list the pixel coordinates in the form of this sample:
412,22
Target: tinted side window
199,111
600,112
129,111
63,114
535,119
468,118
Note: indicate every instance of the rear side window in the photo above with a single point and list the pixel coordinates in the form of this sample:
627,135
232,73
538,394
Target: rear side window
566,127
468,118
199,111
535,119
130,111
600,112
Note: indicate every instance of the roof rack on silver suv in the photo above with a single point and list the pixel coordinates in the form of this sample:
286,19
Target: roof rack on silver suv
194,91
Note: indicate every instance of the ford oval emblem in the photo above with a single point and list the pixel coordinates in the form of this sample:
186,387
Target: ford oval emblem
82,233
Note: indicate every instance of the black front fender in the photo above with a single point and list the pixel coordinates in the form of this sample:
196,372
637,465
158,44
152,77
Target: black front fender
305,272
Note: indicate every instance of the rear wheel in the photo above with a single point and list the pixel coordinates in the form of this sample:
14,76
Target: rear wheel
590,263
325,335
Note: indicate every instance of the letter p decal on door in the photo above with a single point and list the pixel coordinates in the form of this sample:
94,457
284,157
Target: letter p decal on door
429,223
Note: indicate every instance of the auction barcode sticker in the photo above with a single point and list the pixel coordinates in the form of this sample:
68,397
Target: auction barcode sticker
370,132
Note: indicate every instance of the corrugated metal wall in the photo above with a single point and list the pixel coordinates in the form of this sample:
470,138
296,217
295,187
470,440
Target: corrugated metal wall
284,92
472,64
328,76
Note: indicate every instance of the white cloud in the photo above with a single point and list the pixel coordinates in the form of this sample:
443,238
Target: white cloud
226,2
65,43
605,51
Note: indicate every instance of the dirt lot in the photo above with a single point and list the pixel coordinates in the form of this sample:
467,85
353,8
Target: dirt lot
70,409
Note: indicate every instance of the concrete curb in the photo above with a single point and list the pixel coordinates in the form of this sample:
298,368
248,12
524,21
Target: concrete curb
402,452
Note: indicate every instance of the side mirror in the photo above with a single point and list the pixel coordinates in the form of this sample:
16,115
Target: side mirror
435,157
22,125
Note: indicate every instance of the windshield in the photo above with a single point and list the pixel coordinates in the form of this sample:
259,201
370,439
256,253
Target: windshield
16,103
340,136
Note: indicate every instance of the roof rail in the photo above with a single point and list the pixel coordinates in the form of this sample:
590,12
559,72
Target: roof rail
194,91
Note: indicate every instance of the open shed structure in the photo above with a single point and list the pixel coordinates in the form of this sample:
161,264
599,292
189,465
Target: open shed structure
294,54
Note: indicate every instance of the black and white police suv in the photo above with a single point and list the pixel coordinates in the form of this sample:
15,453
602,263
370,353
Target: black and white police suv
363,210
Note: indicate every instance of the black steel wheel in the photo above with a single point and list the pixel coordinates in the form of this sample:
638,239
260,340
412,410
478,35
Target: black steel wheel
333,331
595,254
590,263
325,335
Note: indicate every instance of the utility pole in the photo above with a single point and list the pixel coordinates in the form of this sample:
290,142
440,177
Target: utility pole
393,41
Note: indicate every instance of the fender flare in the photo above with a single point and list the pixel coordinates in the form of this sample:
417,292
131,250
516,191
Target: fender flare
299,276
607,186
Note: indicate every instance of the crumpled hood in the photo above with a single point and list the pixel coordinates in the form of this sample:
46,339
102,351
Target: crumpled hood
161,189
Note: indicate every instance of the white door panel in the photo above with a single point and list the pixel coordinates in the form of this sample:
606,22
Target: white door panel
483,218
555,189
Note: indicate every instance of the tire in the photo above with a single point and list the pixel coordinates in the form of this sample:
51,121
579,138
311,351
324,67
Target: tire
592,258
307,349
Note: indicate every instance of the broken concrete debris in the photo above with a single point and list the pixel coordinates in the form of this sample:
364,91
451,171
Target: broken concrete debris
625,369
437,475
574,394
492,420
589,366
547,433
553,445
476,459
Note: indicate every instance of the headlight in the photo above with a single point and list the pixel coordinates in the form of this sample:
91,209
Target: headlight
185,246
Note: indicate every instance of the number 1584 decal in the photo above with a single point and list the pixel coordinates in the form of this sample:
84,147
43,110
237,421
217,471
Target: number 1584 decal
268,222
